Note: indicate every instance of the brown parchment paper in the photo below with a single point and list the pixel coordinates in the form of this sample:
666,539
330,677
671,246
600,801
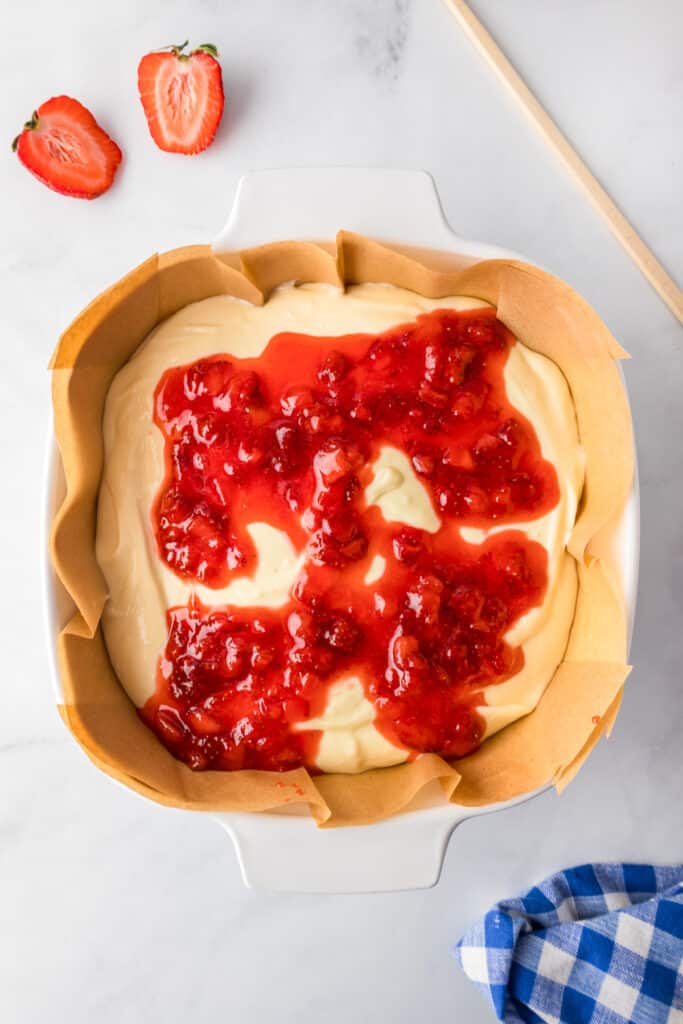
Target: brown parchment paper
582,700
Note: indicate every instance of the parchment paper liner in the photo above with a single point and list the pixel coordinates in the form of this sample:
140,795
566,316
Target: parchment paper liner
582,700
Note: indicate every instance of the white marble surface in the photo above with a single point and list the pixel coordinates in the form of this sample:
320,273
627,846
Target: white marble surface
116,910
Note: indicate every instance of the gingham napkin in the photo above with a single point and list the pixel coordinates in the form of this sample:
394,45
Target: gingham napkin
601,943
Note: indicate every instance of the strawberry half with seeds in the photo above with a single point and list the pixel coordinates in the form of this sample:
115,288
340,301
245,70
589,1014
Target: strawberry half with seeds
182,96
65,148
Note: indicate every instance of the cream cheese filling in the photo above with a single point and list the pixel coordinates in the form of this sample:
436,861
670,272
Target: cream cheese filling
142,587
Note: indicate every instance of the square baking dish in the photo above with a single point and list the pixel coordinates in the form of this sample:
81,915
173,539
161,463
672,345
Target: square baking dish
406,851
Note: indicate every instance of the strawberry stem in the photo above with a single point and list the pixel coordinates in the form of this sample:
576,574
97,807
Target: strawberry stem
202,48
29,126
176,48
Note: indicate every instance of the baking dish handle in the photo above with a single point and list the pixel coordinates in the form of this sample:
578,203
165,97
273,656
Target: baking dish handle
288,853
314,203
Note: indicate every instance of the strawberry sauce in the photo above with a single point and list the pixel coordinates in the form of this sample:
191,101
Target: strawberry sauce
289,438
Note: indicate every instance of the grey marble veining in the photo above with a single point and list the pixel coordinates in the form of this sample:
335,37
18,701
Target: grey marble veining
380,33
119,911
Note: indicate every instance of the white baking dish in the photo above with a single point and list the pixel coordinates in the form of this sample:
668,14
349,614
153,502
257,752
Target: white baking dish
285,850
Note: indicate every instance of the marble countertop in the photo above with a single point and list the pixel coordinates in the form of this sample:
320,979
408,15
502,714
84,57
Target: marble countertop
119,911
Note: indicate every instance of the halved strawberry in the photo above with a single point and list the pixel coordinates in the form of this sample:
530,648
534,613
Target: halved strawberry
65,148
182,96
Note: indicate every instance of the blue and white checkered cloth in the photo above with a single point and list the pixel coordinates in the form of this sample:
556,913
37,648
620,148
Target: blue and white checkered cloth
601,943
